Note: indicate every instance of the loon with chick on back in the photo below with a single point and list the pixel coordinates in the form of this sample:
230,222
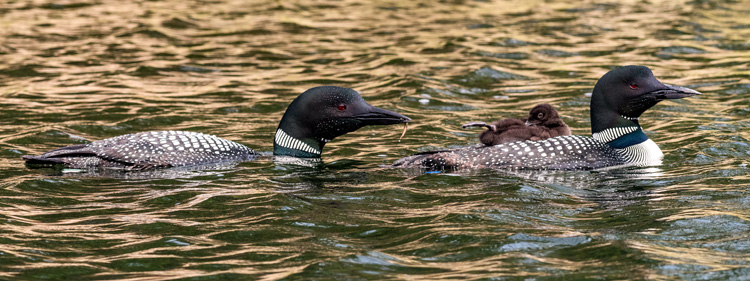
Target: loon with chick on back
543,122
314,118
618,100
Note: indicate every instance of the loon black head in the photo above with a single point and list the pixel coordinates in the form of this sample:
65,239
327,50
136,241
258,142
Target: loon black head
322,113
623,94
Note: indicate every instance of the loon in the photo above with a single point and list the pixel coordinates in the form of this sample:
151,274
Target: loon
543,123
313,119
618,100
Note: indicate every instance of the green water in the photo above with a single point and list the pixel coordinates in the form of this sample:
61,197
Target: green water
72,71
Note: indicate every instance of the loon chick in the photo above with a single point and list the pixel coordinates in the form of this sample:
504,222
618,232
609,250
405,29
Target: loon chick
543,123
618,100
314,118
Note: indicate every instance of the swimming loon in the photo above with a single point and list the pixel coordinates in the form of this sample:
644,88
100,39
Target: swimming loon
618,100
543,123
314,118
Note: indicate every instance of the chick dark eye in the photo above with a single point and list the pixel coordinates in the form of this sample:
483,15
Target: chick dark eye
342,107
540,116
634,86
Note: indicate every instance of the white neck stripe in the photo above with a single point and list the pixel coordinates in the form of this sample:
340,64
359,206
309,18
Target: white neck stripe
285,140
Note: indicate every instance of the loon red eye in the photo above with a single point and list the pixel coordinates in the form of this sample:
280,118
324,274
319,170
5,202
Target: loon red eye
342,107
634,86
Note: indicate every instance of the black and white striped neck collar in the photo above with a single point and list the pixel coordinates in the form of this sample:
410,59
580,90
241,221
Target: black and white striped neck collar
612,134
286,141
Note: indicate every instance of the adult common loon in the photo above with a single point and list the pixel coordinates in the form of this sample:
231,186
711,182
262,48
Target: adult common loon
618,100
543,123
314,118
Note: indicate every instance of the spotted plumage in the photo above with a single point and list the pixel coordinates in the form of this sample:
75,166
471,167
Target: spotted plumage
618,100
149,150
559,153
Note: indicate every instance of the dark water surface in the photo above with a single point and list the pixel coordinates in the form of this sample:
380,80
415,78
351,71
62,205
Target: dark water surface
72,71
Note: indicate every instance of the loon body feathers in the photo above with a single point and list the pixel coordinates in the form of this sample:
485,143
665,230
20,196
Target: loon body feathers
315,117
618,100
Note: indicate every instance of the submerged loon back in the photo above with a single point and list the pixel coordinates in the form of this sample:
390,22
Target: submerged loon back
618,100
313,118
559,153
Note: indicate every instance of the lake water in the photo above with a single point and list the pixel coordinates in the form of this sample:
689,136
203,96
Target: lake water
73,71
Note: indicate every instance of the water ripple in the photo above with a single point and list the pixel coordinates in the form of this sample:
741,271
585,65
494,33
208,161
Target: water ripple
71,72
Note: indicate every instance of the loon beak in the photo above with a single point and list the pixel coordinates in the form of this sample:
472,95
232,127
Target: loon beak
379,116
674,92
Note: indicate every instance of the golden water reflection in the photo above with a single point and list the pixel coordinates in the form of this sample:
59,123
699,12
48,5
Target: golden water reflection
71,71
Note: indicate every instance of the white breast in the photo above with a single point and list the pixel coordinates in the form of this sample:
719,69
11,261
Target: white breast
646,152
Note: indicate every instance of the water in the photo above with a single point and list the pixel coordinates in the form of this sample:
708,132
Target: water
75,71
